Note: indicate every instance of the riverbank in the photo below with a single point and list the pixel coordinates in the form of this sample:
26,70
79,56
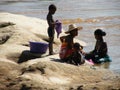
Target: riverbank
47,72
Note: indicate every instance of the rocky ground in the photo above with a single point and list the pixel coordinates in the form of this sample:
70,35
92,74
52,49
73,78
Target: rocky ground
22,70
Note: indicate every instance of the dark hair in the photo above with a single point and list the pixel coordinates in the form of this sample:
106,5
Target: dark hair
52,6
77,45
99,32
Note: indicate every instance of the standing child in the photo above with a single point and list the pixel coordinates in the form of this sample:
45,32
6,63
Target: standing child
51,26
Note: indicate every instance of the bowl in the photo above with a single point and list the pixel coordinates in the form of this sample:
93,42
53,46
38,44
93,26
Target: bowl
38,47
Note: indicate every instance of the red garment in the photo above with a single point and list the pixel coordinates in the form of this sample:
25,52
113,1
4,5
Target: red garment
64,51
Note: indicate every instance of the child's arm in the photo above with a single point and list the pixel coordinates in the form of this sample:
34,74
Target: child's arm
62,38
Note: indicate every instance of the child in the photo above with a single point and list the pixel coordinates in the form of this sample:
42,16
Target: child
77,54
51,27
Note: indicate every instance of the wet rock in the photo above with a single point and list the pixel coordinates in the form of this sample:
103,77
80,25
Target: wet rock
5,24
25,87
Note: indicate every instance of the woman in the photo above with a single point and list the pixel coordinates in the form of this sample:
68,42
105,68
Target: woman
67,42
100,50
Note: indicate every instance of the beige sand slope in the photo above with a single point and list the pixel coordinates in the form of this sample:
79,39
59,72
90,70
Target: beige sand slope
46,72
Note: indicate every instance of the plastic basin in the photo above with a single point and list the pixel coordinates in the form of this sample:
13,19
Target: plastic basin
38,47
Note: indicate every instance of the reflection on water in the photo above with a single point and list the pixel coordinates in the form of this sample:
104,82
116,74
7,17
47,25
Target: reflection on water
79,20
90,14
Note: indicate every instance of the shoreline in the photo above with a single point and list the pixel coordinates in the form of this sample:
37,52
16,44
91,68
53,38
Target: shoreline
48,72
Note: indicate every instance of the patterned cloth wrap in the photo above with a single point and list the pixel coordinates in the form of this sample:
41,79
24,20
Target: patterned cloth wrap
64,52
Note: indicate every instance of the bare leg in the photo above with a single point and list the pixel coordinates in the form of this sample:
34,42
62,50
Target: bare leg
51,45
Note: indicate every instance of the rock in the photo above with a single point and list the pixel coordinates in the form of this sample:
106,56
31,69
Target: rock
22,70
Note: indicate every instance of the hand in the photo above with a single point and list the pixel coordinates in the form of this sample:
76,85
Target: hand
83,53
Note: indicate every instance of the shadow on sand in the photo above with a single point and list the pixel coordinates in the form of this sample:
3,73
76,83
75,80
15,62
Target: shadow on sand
27,55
